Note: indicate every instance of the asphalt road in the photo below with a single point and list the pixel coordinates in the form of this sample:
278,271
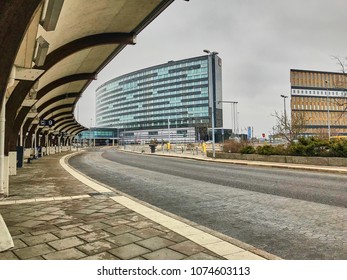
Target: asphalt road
292,214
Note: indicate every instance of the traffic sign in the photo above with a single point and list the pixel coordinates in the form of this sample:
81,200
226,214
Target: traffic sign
49,122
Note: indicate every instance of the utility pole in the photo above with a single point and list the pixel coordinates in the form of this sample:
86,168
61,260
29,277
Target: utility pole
328,111
213,58
285,112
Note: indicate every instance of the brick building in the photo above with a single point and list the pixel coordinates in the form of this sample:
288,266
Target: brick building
322,99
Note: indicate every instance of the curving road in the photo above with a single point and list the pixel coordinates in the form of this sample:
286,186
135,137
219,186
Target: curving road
292,214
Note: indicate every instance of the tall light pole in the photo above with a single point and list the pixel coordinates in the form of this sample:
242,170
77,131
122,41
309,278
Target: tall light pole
328,120
168,128
233,117
213,55
285,112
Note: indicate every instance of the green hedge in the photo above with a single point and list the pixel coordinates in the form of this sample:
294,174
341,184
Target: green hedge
303,147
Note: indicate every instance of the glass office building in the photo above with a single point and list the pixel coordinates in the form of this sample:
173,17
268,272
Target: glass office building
168,101
96,136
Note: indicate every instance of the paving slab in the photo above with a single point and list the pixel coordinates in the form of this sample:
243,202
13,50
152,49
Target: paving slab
38,239
188,248
124,239
59,217
96,247
129,251
101,256
33,251
155,243
68,254
95,235
66,243
164,254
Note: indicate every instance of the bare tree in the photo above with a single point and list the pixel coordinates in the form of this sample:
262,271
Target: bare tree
341,84
290,129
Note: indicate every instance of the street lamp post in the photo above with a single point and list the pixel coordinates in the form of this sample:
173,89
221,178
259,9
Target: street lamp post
213,54
285,111
168,128
328,112
233,103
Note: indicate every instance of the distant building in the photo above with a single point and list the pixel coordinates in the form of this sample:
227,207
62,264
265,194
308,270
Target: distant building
322,98
169,102
97,136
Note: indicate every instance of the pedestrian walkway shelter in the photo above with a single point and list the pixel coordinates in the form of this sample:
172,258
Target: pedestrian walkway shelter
51,50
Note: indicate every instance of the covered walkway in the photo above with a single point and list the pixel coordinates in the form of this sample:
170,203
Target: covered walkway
51,50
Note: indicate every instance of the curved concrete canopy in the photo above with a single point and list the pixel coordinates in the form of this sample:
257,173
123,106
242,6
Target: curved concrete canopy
75,130
68,125
59,124
84,40
50,104
63,113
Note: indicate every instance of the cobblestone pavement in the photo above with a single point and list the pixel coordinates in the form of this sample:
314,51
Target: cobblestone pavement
53,216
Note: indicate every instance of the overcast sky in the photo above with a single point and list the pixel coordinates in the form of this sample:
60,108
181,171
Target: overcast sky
259,42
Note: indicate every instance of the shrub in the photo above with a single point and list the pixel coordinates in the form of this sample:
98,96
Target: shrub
309,146
281,150
247,150
232,146
297,149
338,148
266,150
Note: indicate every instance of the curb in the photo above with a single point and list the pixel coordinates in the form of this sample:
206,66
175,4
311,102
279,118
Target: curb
189,224
251,163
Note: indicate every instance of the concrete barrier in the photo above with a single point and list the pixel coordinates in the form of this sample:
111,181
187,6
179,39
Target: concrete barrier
322,161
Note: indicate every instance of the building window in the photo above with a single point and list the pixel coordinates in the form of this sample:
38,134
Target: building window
152,133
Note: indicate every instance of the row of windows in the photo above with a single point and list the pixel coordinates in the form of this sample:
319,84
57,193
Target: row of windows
144,95
317,107
198,80
161,82
164,106
150,104
176,101
319,122
189,115
161,71
158,123
138,95
319,92
322,114
182,112
303,99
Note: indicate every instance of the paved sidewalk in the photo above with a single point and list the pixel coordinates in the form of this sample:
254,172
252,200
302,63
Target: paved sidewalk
52,215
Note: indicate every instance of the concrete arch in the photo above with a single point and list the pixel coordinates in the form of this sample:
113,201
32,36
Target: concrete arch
23,87
61,125
47,103
17,14
33,127
13,125
68,125
74,130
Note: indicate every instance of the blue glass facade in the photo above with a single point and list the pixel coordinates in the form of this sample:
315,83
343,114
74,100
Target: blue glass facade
174,94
